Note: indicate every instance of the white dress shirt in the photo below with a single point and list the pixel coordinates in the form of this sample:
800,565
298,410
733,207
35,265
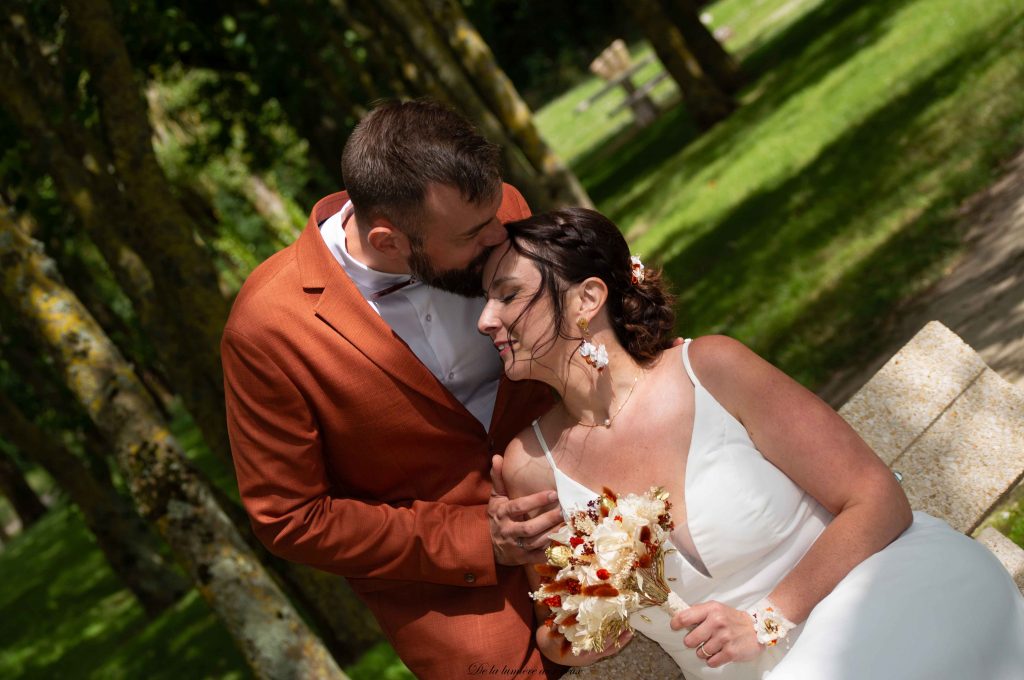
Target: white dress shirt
439,327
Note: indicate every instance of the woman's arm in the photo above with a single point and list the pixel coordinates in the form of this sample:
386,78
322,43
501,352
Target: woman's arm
821,453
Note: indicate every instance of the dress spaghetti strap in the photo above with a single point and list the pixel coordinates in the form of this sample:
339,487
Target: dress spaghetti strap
686,363
543,444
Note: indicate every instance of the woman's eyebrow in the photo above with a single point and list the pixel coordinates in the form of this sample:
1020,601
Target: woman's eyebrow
500,280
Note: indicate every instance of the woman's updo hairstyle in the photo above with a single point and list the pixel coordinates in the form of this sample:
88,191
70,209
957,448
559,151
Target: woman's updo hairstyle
571,245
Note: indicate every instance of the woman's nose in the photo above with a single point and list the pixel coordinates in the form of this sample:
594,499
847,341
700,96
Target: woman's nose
487,323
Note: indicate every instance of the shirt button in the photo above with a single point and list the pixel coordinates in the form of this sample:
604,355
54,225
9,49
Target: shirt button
429,318
451,375
469,578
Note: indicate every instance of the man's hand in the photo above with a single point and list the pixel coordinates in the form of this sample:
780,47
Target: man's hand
516,538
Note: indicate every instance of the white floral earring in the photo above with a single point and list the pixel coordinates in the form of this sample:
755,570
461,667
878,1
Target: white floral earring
595,355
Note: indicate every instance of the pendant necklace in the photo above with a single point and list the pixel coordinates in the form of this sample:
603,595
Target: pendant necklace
607,422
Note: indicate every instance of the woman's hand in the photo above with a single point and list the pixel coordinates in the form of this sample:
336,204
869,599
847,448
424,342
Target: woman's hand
552,644
720,634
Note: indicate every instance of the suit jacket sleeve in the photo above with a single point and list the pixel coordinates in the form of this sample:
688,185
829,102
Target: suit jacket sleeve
284,485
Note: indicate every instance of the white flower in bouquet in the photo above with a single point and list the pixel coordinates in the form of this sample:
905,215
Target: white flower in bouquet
605,563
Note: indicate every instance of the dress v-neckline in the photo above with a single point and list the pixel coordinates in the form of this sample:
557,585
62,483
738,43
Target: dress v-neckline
686,481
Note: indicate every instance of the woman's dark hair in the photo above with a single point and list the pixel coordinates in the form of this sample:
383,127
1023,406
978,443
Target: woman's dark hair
571,245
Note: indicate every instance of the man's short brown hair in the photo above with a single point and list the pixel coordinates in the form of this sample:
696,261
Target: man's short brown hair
400,148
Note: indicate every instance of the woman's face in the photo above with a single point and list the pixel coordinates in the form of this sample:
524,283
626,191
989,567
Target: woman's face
526,337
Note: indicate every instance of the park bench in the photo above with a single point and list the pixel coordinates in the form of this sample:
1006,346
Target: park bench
952,428
614,66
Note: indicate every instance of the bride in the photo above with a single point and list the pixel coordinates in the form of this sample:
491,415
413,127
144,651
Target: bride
795,545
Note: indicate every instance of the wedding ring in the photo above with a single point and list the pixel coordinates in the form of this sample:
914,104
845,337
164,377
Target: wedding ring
701,652
519,543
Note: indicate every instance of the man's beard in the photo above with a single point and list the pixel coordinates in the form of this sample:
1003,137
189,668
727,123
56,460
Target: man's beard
467,282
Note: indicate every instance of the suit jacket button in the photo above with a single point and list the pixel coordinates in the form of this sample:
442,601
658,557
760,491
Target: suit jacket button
469,578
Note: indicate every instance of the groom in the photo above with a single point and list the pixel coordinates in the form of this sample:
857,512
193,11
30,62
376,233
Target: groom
364,409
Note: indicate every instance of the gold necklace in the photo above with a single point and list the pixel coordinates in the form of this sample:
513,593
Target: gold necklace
607,422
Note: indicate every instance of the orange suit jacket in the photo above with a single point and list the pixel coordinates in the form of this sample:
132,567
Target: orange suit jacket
353,458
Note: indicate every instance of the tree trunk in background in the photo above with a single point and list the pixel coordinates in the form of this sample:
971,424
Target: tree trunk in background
416,27
383,56
130,547
79,165
22,497
168,492
716,62
184,278
345,624
419,73
706,103
87,286
342,620
282,229
503,99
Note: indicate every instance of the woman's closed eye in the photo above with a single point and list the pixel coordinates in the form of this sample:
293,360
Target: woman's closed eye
504,297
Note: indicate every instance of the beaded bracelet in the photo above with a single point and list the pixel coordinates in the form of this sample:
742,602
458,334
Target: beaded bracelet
769,623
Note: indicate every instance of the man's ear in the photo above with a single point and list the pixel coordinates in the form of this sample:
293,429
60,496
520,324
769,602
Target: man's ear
388,240
591,295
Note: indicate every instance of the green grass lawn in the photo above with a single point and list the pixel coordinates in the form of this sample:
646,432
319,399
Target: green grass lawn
66,615
801,222
798,226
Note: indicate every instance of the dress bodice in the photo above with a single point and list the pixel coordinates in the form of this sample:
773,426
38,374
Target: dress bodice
749,522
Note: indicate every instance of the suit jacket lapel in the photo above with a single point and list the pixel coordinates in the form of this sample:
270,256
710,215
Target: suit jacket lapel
506,389
345,310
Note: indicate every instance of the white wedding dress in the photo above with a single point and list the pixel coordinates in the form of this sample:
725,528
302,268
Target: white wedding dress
933,605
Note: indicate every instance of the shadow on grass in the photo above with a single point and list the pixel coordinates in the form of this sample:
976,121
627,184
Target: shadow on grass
792,61
66,615
865,175
617,160
819,40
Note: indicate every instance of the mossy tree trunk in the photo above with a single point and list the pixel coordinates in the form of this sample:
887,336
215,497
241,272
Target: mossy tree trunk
131,549
22,497
184,278
712,56
503,99
704,100
384,61
114,186
78,162
168,492
416,27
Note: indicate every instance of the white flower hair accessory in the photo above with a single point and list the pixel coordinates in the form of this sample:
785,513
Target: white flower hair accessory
637,270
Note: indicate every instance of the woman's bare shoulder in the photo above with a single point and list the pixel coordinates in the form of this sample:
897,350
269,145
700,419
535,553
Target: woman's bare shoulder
525,469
